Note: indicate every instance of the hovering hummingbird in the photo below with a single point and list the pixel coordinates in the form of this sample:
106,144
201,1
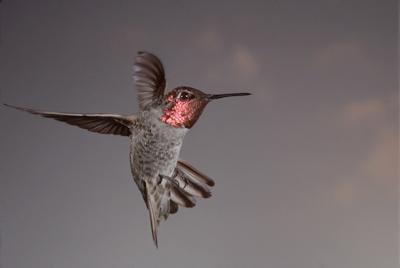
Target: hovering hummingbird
156,134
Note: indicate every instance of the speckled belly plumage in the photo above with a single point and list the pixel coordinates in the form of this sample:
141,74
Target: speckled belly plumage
154,152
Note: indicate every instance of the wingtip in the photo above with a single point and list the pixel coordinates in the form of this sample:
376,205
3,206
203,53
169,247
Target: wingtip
142,52
12,106
29,110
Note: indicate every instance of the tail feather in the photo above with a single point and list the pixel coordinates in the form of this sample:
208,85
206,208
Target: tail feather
173,207
191,186
165,196
153,213
153,222
188,182
181,197
194,173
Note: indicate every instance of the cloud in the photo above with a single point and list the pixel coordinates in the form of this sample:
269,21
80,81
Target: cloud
237,64
367,110
346,191
381,164
339,53
225,60
377,169
209,40
344,60
244,63
377,172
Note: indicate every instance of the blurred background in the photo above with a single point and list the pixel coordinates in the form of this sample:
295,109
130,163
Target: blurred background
306,169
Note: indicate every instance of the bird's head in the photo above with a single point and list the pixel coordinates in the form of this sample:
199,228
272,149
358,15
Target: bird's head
184,105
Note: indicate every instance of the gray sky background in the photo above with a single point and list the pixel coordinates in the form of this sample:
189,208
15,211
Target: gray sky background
306,168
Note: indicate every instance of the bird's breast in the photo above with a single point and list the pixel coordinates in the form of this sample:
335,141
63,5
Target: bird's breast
155,148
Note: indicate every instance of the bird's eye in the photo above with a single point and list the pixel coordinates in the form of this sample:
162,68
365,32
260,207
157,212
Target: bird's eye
185,95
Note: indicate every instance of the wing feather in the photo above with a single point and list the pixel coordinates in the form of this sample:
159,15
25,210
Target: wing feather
149,77
99,123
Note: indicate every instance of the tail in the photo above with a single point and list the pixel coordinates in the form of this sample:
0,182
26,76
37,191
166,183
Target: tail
181,189
153,205
187,183
153,219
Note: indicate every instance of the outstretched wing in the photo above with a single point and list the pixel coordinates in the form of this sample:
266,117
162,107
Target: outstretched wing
149,77
99,123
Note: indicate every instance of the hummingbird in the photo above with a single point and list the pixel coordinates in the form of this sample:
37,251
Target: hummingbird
155,135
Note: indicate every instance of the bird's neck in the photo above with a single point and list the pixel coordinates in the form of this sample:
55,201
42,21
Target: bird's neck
180,115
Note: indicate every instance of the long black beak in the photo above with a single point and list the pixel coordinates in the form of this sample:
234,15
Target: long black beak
219,96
